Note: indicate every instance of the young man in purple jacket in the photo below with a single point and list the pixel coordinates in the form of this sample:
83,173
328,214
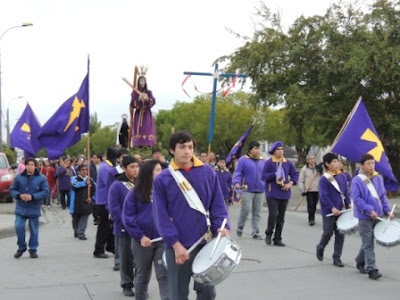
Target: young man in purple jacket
333,196
279,174
123,183
367,208
181,226
224,178
249,173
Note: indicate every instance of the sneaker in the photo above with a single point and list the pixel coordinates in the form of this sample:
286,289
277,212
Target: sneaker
279,243
100,255
320,254
239,232
116,268
128,292
338,263
257,236
374,274
19,253
33,254
48,206
268,240
311,223
83,237
361,268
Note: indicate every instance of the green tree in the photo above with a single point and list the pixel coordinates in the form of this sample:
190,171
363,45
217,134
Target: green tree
322,65
104,138
95,124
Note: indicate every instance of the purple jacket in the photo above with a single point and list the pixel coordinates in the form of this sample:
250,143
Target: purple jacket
115,202
272,189
364,203
63,179
102,188
175,220
250,170
329,197
225,181
138,217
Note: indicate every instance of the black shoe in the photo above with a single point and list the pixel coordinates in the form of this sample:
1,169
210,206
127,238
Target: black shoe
361,268
116,268
75,235
83,237
338,263
100,255
320,254
257,236
268,240
279,243
19,253
128,292
374,274
239,232
33,254
311,223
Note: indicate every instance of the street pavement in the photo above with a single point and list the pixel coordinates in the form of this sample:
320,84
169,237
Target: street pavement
66,268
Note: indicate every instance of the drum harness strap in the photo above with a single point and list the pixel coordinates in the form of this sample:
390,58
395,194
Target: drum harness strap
191,197
335,184
370,187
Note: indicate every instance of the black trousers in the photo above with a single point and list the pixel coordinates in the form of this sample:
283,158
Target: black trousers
104,236
64,195
329,227
312,201
276,217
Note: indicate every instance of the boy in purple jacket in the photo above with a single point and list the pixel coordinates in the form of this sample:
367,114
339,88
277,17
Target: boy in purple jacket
280,174
179,224
333,195
370,202
225,179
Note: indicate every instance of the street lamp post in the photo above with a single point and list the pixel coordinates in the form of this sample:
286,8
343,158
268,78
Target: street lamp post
1,36
8,121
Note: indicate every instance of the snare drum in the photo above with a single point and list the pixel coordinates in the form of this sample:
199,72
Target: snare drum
347,223
211,271
387,235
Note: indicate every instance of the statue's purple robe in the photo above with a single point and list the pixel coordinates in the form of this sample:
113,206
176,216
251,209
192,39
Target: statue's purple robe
144,129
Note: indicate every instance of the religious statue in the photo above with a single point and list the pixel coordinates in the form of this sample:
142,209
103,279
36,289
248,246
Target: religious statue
123,132
144,129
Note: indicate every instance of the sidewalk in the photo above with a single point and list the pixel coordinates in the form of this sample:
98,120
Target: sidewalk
67,270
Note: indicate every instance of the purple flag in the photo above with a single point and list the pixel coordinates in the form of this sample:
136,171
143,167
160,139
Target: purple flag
65,127
25,133
360,137
237,148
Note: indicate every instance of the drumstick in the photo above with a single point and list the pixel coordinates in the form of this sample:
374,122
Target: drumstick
218,237
156,240
197,243
342,211
388,219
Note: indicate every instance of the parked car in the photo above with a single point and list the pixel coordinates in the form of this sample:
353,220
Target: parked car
6,178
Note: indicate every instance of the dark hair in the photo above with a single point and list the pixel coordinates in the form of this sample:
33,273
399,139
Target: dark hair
145,85
99,156
366,157
127,160
181,137
253,144
144,182
80,167
328,157
155,150
122,151
27,160
221,158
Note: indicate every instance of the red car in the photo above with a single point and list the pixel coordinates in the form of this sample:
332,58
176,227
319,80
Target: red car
6,178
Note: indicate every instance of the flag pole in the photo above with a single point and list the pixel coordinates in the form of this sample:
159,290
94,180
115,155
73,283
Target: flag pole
88,157
346,122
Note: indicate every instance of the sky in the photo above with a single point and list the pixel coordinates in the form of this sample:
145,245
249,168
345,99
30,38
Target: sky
46,63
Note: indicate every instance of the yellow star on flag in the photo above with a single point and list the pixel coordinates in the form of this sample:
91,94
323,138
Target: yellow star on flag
376,152
75,113
25,127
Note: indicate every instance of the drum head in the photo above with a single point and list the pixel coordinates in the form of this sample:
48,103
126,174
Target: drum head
387,234
203,261
346,221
